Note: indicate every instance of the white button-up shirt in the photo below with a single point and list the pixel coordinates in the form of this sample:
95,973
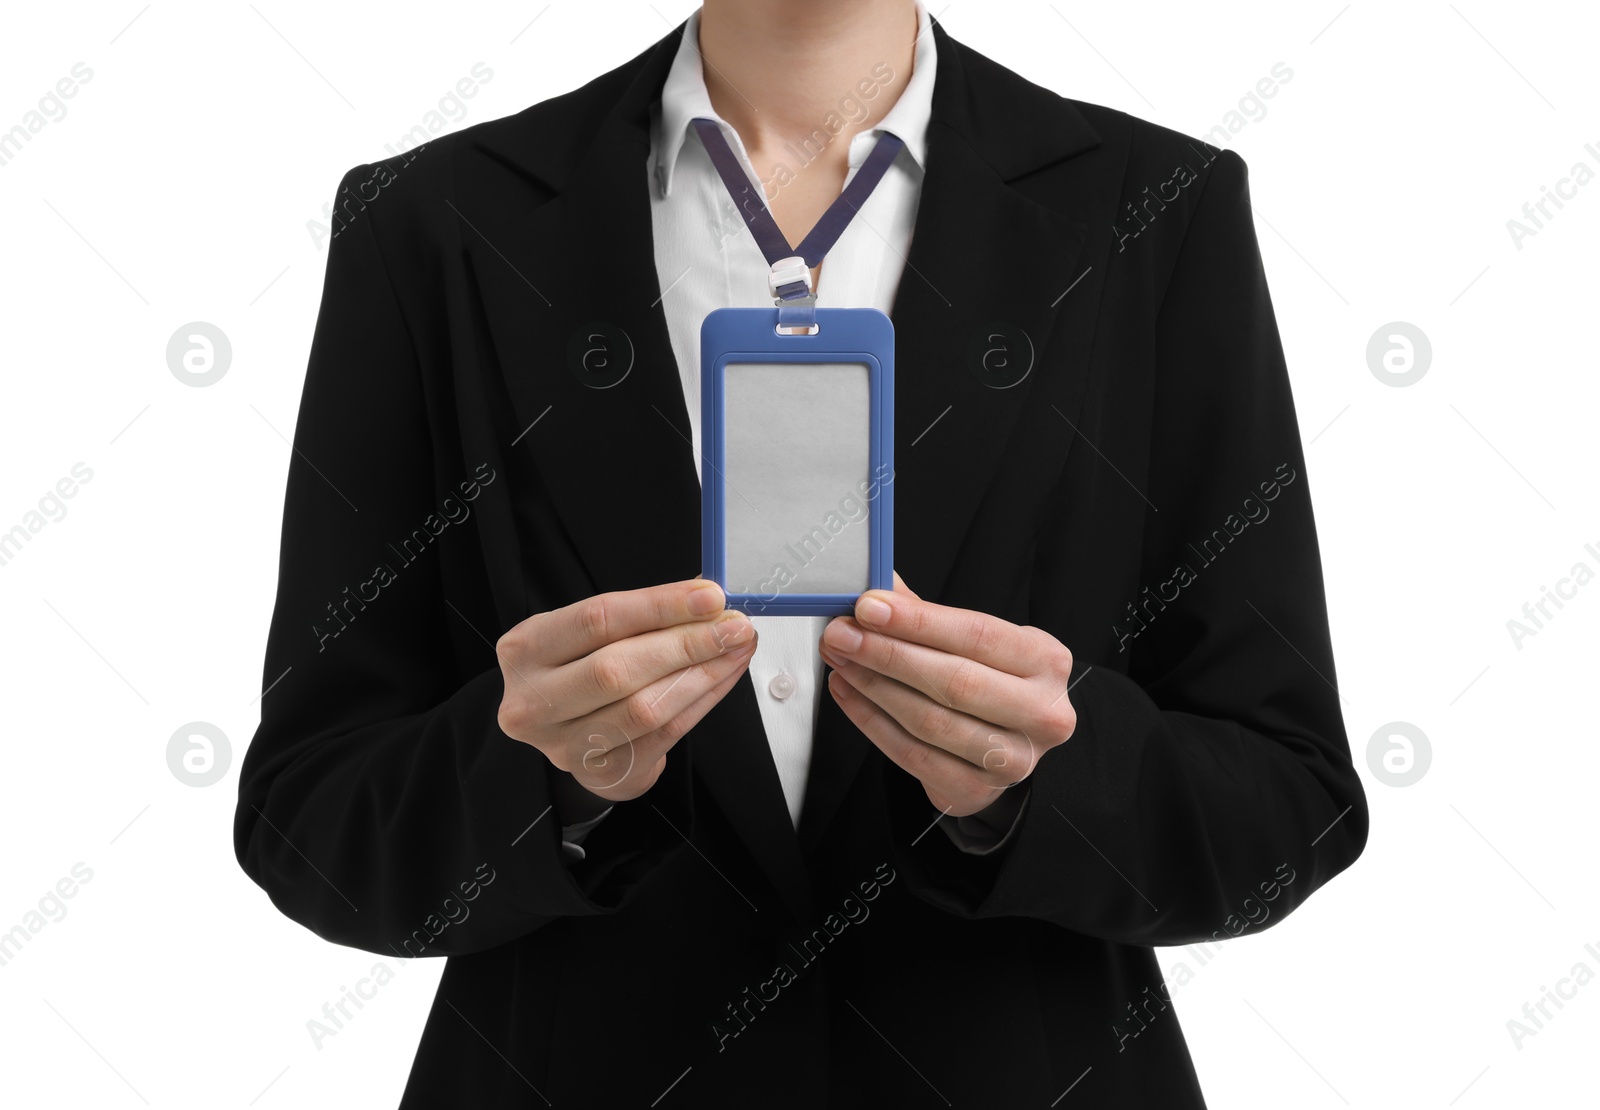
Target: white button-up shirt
707,259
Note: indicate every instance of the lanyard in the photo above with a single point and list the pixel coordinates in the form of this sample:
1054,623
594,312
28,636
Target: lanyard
790,280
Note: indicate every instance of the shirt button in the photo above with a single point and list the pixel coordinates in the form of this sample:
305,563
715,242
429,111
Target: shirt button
781,687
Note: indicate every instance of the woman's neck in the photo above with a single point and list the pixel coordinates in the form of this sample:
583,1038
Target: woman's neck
780,70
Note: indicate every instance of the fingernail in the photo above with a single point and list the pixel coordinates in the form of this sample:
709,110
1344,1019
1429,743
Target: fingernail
842,635
705,599
732,630
872,610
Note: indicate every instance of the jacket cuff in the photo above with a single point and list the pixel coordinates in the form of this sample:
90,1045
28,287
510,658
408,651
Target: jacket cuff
990,829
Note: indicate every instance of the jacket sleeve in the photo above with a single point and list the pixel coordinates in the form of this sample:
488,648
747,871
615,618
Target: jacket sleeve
380,805
1209,789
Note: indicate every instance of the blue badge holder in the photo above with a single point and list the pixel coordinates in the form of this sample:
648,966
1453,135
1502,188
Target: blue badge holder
741,353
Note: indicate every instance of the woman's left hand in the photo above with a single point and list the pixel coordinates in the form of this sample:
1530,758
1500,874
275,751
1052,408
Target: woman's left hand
965,702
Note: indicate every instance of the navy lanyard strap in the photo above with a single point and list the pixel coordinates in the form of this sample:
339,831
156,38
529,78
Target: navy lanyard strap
791,266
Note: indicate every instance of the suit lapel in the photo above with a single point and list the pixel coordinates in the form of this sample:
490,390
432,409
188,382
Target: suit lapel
976,304
573,303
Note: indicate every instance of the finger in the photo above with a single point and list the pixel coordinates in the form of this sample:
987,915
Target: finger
956,682
651,707
900,587
619,670
952,784
584,627
1004,756
679,726
627,771
964,632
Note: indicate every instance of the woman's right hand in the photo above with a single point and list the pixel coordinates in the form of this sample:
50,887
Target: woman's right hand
606,686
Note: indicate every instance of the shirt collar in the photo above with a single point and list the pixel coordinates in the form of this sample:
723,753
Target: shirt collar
684,96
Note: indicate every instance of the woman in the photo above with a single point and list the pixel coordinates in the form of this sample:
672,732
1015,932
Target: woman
509,726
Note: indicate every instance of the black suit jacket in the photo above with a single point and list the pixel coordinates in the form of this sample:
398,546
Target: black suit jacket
1140,493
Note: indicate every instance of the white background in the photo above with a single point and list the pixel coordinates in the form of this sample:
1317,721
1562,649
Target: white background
178,188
